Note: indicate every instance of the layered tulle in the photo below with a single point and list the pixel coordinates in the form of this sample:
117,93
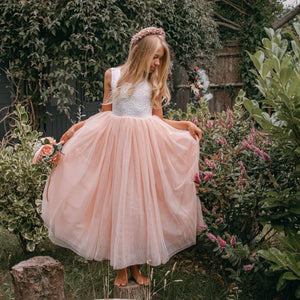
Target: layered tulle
124,191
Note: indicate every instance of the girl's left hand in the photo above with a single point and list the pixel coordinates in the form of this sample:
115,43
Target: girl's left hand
194,131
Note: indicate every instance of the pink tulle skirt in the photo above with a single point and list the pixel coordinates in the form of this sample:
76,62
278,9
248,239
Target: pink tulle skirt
124,191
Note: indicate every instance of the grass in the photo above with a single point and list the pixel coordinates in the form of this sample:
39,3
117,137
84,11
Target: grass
90,279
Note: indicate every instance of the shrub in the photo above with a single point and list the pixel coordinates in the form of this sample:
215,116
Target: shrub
21,185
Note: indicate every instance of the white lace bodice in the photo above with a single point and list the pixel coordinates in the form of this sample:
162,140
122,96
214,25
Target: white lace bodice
137,105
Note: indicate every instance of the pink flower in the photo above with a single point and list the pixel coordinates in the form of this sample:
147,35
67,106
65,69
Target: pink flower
221,123
195,122
197,95
250,138
204,208
196,69
51,141
247,267
202,227
253,130
230,125
221,141
197,177
221,242
240,187
197,78
242,181
47,150
213,212
208,175
210,124
210,163
219,221
265,156
243,170
211,237
233,240
229,113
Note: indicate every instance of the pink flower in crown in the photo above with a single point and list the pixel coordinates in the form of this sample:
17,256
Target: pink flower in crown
221,242
145,32
211,237
247,267
208,175
233,240
196,69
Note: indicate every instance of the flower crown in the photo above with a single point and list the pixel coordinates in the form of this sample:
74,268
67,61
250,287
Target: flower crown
146,31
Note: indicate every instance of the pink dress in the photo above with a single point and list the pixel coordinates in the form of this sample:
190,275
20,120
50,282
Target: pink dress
124,189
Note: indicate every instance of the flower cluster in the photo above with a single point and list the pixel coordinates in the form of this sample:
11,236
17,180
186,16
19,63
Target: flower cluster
200,84
47,151
145,32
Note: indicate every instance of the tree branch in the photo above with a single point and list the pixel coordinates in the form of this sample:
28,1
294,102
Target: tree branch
227,25
287,17
227,20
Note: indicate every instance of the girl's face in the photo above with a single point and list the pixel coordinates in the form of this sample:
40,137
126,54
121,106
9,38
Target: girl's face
157,59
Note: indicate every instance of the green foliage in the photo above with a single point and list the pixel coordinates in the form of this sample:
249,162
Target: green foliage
52,51
278,78
21,185
286,260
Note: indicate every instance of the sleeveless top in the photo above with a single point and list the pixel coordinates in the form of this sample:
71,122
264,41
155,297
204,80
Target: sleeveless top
137,105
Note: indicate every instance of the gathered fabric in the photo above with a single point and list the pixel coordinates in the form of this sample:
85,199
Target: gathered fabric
124,191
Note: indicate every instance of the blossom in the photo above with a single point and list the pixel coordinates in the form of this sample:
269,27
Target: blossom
242,180
221,141
247,267
221,123
214,210
198,177
204,208
47,150
210,163
240,187
197,95
219,221
208,175
196,69
232,240
221,242
229,113
243,170
211,237
230,125
202,227
195,122
265,156
48,140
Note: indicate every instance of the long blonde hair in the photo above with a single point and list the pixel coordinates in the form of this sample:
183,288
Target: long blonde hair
137,67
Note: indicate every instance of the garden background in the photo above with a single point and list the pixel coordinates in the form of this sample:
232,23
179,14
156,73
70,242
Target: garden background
54,56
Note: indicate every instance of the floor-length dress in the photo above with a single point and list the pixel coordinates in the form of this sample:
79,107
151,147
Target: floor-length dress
124,188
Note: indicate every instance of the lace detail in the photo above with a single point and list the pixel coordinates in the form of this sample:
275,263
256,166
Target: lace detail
137,105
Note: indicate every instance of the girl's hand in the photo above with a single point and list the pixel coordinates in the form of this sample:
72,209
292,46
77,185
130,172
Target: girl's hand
70,132
194,131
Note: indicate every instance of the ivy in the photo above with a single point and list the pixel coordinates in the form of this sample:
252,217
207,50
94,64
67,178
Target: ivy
55,51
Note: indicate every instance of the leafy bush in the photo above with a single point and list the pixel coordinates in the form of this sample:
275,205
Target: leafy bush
48,45
21,185
238,166
278,79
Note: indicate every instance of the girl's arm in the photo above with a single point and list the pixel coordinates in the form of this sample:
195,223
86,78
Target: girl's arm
192,128
105,107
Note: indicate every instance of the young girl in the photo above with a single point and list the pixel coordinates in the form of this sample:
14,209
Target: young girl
124,189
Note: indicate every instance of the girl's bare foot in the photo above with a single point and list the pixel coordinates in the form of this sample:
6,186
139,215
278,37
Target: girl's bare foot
122,277
138,276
